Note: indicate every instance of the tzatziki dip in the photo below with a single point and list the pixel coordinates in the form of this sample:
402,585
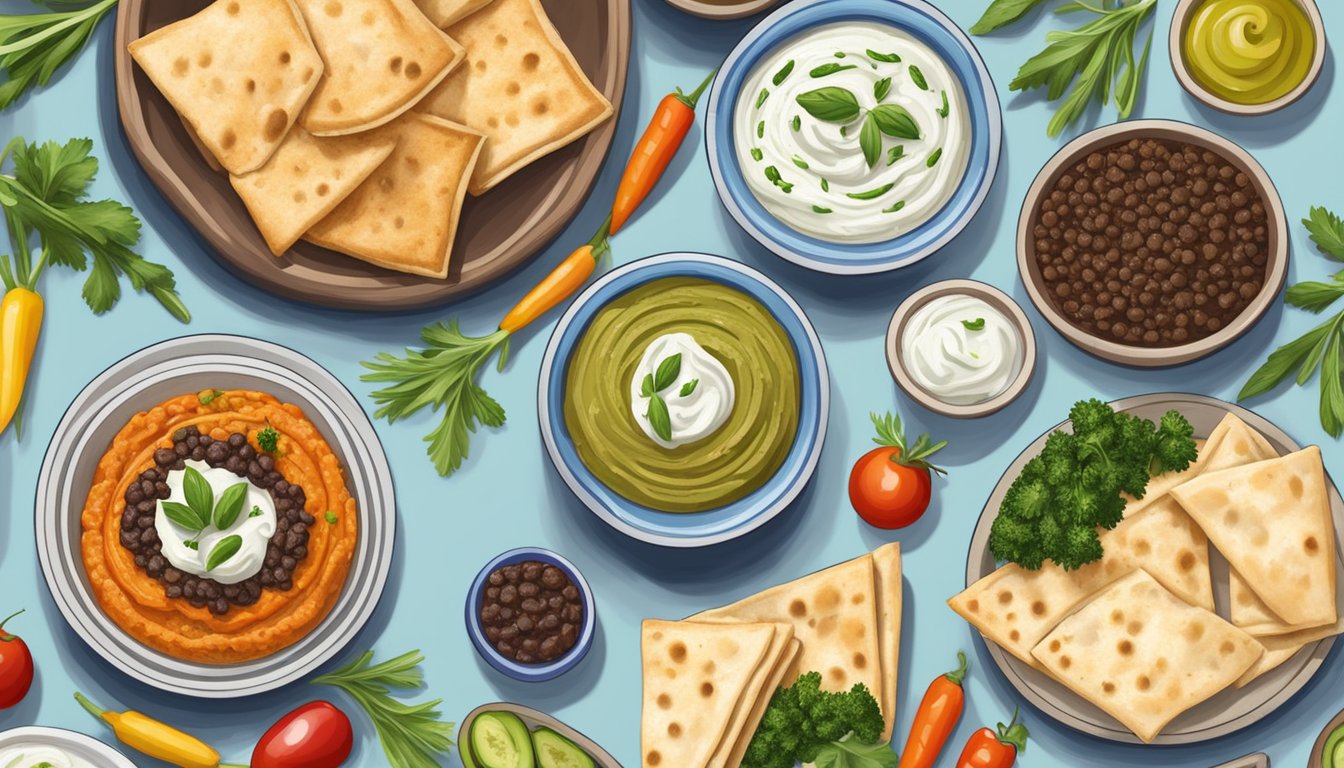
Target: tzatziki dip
40,756
680,393
853,132
961,349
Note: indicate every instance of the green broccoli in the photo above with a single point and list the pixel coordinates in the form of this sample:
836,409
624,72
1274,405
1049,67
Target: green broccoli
1074,486
802,718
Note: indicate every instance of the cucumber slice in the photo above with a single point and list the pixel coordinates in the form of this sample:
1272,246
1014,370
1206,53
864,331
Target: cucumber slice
555,751
501,740
1337,760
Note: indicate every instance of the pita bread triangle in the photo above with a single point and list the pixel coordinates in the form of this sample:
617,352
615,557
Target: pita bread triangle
382,57
445,12
238,73
834,616
695,675
306,179
1015,607
762,702
741,726
1272,522
887,588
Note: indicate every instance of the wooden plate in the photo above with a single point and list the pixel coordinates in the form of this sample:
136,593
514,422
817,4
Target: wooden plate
1234,708
499,232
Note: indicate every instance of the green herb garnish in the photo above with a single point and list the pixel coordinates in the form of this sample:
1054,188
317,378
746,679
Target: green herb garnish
889,58
765,94
895,121
819,209
783,73
946,109
978,324
330,517
256,512
659,418
830,68
1074,487
653,385
1323,346
268,439
870,140
881,88
825,185
917,77
831,104
757,154
36,45
797,123
935,157
225,549
802,720
871,193
192,544
1001,13
230,505
412,735
800,162
689,387
895,153
894,207
206,398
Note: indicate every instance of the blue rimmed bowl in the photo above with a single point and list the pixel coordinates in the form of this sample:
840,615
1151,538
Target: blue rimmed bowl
694,529
916,17
530,673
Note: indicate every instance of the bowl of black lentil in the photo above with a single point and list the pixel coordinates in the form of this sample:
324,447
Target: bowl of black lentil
530,614
1152,243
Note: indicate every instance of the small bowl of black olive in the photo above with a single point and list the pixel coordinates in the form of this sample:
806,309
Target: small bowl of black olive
530,614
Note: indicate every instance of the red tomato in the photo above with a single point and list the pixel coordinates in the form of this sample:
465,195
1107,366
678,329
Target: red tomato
887,494
16,668
890,487
316,735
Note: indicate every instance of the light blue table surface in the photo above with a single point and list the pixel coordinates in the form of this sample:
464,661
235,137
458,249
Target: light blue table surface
508,495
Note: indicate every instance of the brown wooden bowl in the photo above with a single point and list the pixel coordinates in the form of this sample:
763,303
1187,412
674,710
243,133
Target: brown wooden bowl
499,231
1276,269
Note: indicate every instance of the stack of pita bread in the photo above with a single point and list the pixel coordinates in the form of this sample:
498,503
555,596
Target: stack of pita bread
709,679
360,125
1137,633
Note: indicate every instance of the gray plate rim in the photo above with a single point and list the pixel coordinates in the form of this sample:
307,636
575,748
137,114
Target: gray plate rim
1071,710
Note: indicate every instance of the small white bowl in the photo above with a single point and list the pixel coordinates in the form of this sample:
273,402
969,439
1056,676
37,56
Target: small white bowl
84,747
990,295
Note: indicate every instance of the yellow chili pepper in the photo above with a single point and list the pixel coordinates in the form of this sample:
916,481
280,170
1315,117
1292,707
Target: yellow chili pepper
157,739
20,323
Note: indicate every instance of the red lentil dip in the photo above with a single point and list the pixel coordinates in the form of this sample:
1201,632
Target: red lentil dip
1151,243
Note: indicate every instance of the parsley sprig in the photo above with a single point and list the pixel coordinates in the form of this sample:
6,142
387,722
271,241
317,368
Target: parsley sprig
412,735
33,46
1322,347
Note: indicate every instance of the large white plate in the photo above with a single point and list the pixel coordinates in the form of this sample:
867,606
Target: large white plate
192,364
1229,711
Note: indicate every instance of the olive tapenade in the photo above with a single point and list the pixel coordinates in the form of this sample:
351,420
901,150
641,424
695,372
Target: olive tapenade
1152,243
287,548
531,612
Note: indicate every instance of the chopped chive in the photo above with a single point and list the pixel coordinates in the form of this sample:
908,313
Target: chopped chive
760,130
825,186
839,54
797,123
819,209
800,162
757,154
946,107
784,187
894,207
893,154
933,159
783,73
918,77
871,193
765,94
844,131
889,58
772,173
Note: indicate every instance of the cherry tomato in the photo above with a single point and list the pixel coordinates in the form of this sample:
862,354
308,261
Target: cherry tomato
16,667
891,486
316,735
987,749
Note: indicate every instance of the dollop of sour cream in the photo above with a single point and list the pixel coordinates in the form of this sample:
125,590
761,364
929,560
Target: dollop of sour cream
808,167
699,412
254,529
961,350
32,755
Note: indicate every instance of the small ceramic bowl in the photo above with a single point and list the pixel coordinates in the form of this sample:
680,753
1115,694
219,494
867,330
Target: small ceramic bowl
1316,759
1276,268
77,744
533,719
990,295
530,673
723,10
1180,23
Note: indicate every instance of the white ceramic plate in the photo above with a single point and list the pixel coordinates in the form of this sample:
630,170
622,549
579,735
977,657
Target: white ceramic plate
192,364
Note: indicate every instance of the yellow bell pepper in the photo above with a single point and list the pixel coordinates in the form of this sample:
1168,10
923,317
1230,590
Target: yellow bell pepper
20,323
156,739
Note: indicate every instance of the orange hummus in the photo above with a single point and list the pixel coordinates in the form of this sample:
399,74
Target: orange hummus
136,601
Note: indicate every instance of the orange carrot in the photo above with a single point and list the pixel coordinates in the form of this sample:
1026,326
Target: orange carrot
936,718
567,277
656,148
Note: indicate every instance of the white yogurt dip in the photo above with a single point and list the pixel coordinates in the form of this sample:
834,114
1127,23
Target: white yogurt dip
32,755
961,349
699,399
188,550
853,132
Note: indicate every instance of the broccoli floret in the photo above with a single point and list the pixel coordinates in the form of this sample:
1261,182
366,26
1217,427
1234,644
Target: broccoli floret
802,718
1176,448
779,735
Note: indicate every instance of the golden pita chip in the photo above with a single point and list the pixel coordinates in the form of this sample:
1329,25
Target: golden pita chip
757,713
238,73
382,57
446,12
405,215
520,86
760,688
887,590
306,179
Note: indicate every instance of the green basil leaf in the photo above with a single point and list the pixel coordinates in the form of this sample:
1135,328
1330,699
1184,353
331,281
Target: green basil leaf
917,75
184,516
889,58
659,418
1283,360
225,549
783,73
830,68
646,387
935,157
946,109
667,373
834,105
230,505
689,387
895,153
199,496
871,193
881,88
1001,13
870,140
896,121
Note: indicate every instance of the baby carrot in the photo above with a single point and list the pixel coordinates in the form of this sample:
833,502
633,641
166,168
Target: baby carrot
656,148
936,718
562,282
